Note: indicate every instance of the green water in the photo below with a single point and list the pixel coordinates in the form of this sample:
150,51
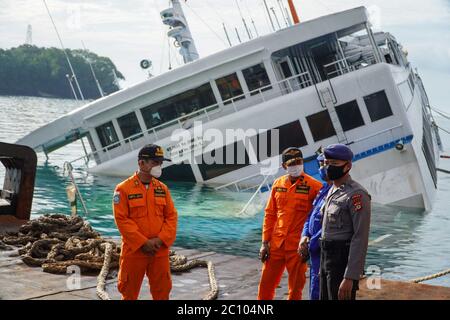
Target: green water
419,243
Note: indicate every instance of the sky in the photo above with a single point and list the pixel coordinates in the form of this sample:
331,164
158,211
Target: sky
129,31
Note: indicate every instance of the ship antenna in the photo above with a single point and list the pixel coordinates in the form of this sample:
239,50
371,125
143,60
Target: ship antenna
100,90
237,33
222,20
251,17
65,53
226,33
282,13
179,30
268,13
243,20
276,17
293,12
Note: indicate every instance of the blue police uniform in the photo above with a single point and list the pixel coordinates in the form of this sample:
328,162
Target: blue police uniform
313,230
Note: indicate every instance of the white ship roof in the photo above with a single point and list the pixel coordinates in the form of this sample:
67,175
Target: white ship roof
56,133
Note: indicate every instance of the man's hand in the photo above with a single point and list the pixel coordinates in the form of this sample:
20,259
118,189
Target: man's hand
151,246
303,247
264,252
345,289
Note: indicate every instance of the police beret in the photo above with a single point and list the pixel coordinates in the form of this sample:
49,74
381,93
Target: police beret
338,152
291,153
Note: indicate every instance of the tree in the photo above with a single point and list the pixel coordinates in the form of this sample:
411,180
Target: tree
33,71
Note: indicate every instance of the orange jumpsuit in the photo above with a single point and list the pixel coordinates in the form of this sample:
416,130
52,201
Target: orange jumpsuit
142,214
285,215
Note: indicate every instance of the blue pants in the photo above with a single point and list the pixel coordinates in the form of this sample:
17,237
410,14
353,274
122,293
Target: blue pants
314,285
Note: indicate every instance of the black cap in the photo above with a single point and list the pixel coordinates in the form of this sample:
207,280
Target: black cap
290,154
153,152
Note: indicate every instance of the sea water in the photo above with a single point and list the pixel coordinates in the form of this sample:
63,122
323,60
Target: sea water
411,243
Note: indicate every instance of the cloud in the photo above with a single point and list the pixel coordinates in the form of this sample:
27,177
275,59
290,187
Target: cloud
128,31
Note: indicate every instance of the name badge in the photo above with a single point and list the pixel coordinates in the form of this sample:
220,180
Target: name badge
160,192
135,196
302,189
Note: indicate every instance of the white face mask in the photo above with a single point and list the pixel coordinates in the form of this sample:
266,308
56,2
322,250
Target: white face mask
295,171
156,172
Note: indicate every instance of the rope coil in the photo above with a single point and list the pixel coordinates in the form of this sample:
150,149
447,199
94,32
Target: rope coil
56,242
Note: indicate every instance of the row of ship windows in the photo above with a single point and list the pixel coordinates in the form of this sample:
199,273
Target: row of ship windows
290,134
184,103
320,123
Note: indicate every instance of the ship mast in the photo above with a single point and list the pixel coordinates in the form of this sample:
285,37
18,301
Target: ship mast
179,30
293,12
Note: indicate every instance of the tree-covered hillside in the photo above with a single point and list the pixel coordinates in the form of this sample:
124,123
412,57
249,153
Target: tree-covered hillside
32,71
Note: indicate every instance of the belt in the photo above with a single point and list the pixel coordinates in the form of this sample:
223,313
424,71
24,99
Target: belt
334,244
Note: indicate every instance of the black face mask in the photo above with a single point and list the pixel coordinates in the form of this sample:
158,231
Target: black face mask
335,172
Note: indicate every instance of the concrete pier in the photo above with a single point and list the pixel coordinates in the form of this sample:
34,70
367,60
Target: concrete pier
237,278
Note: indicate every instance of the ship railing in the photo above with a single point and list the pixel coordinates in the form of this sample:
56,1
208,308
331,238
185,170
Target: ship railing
209,113
267,184
239,185
343,66
248,184
386,139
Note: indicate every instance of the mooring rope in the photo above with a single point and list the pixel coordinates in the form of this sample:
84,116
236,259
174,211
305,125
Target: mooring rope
56,242
101,279
431,276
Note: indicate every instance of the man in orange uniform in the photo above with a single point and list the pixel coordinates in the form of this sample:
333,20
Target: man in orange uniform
147,220
286,212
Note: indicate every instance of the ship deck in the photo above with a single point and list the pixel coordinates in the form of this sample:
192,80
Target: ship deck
237,278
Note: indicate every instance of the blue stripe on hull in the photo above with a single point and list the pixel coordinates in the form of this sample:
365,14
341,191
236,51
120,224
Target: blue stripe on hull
312,167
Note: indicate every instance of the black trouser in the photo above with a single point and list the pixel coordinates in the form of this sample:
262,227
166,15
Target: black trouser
333,262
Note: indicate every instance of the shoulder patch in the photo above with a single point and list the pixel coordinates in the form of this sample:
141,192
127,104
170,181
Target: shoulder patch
357,202
116,198
279,189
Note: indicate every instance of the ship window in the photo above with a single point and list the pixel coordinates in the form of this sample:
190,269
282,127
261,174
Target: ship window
320,125
378,105
256,77
229,88
289,135
223,160
130,127
179,105
349,115
107,135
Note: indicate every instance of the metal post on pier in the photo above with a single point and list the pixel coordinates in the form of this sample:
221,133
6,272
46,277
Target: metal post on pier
68,168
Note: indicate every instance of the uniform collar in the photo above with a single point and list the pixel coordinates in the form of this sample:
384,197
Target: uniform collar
346,183
343,187
137,182
300,179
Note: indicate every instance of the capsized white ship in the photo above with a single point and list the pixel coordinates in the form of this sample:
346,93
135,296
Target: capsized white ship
328,80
